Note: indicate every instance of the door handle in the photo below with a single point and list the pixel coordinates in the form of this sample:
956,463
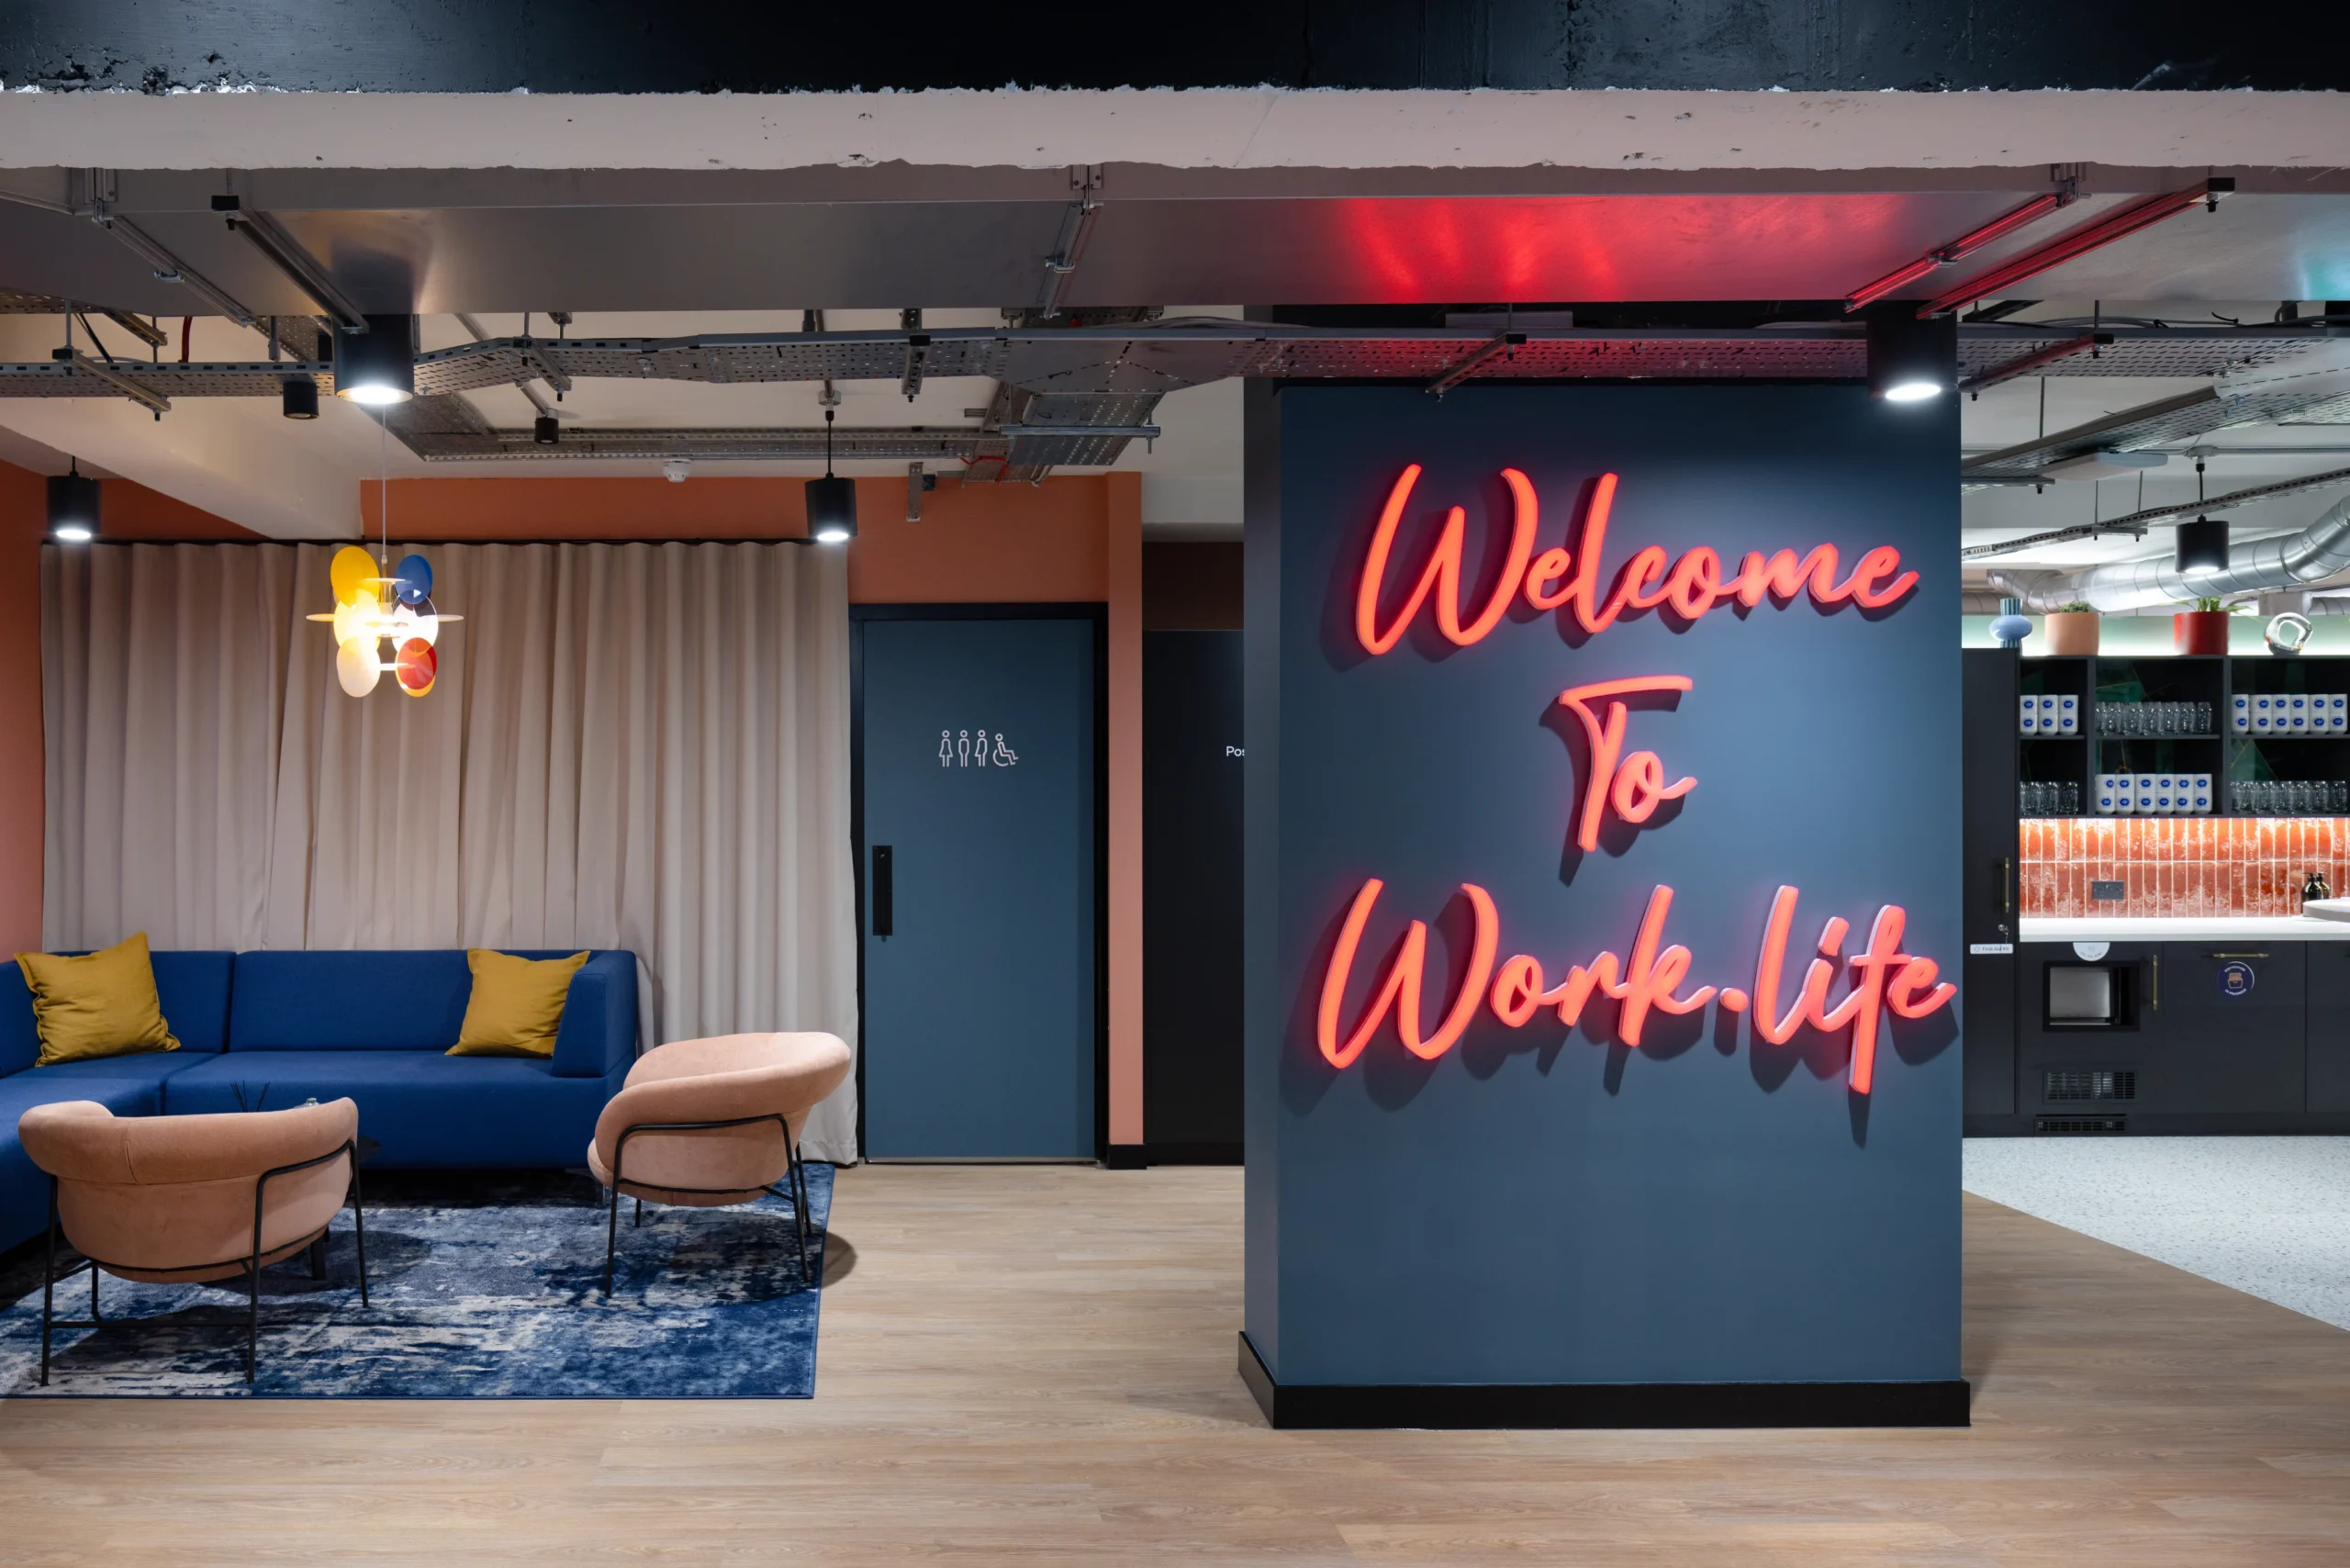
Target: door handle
2158,983
2007,885
885,913
2239,954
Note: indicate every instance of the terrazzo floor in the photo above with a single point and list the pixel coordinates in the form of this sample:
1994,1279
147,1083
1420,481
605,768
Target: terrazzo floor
2269,1216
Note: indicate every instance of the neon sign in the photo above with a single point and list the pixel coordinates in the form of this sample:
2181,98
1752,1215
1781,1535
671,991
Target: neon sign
1638,787
1885,982
1692,587
1888,981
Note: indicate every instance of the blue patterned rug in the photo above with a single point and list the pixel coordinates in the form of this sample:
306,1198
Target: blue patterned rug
484,1285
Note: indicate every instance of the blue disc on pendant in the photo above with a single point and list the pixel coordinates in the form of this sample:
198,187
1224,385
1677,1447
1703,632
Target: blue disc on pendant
415,579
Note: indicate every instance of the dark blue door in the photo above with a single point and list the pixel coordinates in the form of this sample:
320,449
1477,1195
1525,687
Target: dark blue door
980,949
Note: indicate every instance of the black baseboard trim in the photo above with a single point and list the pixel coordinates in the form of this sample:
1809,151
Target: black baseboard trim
1602,1405
1195,1153
1134,1156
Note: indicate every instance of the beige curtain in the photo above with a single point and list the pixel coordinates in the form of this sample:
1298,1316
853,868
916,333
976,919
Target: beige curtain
630,745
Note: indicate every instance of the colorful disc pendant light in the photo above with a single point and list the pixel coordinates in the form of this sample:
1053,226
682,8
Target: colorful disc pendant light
380,608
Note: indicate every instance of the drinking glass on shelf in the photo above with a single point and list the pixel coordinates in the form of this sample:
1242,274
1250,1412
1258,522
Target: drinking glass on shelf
2338,796
2070,804
2203,719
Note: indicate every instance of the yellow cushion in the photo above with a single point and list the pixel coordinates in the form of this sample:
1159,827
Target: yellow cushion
516,1005
100,1005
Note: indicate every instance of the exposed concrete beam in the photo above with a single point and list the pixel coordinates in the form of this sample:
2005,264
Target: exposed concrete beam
1214,128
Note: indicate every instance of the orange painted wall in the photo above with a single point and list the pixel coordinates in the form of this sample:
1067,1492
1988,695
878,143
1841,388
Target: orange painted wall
976,544
127,511
23,523
1070,540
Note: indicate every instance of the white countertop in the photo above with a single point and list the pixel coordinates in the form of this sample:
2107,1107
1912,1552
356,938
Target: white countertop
2189,928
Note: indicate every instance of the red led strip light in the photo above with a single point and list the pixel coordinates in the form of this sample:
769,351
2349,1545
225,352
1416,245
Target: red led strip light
2080,242
1934,261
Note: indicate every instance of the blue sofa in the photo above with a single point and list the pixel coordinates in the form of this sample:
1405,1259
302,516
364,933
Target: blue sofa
266,1030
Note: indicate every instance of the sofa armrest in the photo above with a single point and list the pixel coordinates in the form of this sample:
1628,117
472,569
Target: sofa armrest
598,1036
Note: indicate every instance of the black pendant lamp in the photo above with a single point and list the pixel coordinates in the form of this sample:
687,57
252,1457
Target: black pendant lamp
832,503
2202,547
72,506
297,397
1910,361
377,366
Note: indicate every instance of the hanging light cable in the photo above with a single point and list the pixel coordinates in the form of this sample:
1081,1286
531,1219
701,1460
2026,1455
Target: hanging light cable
2202,546
376,605
831,503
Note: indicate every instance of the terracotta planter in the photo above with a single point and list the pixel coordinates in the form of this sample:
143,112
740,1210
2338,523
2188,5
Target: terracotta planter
2199,631
2071,632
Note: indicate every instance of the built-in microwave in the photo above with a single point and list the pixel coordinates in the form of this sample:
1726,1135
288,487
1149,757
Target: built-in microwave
2076,995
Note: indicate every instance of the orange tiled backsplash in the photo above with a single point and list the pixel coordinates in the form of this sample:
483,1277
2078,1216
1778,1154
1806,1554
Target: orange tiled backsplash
2180,866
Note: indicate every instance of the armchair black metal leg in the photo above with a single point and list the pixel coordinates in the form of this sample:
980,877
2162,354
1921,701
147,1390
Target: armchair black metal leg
48,1282
359,1229
252,1316
317,1257
797,1171
612,1236
639,1218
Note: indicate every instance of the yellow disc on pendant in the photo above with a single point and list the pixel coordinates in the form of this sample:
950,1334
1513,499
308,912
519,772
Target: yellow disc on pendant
351,572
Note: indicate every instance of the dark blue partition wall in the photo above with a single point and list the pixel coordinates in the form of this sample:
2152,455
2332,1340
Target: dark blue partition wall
1523,1222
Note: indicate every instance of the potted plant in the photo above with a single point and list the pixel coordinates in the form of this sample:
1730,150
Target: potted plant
2071,631
2202,629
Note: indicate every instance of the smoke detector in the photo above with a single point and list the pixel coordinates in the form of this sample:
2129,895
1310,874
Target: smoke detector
676,470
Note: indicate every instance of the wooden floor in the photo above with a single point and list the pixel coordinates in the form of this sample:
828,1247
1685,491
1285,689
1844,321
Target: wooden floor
1035,1365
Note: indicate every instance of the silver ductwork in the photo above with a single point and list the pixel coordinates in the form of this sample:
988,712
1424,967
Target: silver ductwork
2285,561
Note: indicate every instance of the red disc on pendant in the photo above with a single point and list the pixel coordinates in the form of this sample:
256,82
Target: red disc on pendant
417,667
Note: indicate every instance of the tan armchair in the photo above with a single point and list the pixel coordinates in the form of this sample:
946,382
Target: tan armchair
706,1122
192,1198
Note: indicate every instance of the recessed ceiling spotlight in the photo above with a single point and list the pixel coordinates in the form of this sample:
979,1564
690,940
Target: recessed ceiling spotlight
676,470
376,368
